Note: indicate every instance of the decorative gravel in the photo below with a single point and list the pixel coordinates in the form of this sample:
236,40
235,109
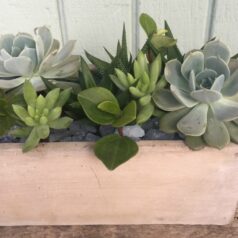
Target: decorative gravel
85,130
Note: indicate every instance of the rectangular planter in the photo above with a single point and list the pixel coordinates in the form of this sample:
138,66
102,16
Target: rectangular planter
166,183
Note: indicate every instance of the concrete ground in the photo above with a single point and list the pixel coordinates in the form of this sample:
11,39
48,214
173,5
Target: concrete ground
142,231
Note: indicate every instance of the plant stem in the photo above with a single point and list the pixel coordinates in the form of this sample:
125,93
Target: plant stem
120,131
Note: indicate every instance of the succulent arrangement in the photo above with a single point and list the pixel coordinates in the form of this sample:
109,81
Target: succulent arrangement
44,88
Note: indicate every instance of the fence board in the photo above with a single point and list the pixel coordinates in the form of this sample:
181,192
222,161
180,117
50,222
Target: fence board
186,18
25,15
97,23
225,23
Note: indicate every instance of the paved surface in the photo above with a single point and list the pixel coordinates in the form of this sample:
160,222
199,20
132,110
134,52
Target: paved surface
144,231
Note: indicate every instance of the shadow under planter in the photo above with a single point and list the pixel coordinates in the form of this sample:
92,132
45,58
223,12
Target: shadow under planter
166,183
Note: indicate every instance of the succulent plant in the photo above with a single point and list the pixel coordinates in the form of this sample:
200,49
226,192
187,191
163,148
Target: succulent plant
141,84
31,57
121,60
202,97
41,114
159,41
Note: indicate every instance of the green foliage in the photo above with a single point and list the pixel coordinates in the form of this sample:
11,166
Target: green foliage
7,118
140,84
120,61
148,24
113,150
202,98
102,107
160,41
40,114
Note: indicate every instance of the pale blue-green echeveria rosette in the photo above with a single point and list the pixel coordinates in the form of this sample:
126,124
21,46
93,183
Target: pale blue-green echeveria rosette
23,56
202,98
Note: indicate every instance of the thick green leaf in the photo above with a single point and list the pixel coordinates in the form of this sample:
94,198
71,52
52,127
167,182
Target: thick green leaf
225,109
87,75
51,98
20,112
32,141
206,95
99,64
164,99
194,61
21,132
128,115
195,142
114,150
110,107
194,123
216,134
61,123
173,75
91,98
183,97
160,41
63,97
168,123
145,113
29,93
233,131
148,24
43,131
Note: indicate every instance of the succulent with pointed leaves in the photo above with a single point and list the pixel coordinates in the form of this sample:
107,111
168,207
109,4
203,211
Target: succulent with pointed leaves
41,114
31,57
141,84
203,96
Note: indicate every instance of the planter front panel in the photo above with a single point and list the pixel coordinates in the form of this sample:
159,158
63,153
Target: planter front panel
166,183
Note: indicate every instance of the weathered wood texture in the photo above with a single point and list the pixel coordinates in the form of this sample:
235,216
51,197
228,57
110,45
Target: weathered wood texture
142,231
99,23
166,183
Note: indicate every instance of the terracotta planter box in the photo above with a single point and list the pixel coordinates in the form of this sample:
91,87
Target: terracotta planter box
166,183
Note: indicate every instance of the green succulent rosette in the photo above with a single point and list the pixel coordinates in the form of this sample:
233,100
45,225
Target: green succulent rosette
202,99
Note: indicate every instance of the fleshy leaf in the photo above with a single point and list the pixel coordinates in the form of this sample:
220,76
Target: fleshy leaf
128,115
206,95
173,75
61,123
225,109
233,131
145,113
218,49
90,98
164,99
195,142
168,123
29,93
109,107
114,150
148,24
32,141
218,65
183,97
216,134
194,61
88,78
195,122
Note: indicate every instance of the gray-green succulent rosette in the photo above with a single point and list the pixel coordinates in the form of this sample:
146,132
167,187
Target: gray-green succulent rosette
202,99
23,56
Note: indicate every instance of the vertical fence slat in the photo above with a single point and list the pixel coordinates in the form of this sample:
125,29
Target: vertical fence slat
187,19
225,23
98,24
25,15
